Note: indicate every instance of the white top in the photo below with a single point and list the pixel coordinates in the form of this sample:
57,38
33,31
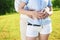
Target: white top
36,5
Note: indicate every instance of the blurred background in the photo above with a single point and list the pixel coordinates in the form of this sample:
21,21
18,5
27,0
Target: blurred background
9,21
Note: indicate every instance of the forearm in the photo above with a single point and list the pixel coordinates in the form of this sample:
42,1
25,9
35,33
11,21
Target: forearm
23,11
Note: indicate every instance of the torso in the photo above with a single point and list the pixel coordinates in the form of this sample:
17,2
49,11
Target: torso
38,5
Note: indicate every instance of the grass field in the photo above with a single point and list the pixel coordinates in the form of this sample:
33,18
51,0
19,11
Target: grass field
9,27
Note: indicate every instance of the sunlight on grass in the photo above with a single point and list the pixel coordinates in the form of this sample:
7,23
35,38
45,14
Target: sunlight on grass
55,35
9,27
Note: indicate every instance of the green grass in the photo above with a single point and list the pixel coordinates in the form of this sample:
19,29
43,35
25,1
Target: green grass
55,35
9,27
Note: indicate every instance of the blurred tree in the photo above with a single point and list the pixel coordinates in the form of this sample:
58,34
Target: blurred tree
56,3
6,6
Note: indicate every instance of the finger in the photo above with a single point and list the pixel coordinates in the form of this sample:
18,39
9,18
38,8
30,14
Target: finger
41,14
45,16
39,17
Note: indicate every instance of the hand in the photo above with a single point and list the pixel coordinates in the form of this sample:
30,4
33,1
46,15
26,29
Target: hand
38,15
43,15
35,14
32,14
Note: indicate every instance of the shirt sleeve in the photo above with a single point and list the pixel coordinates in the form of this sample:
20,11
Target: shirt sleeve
16,4
49,3
26,1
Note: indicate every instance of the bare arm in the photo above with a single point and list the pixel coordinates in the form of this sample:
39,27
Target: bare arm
21,8
23,11
27,12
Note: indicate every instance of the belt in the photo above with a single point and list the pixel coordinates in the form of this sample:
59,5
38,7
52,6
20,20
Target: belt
33,24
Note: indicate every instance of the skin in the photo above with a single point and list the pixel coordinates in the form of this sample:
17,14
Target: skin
38,15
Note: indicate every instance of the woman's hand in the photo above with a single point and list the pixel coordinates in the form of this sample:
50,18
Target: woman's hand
38,15
33,14
43,14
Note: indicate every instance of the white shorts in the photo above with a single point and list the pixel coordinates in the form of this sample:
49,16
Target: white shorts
26,30
32,31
